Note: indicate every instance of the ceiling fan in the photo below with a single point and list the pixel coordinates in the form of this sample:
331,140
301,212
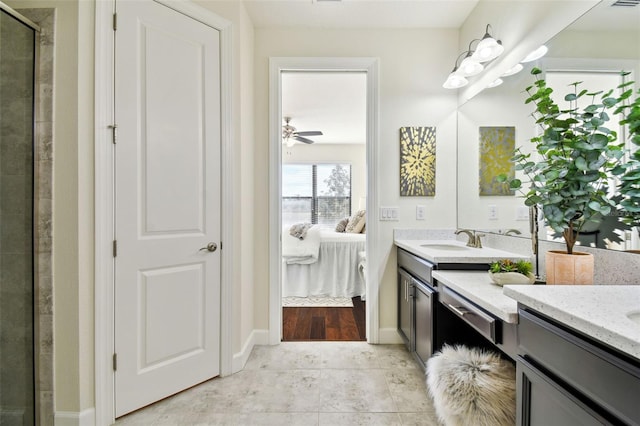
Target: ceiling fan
290,134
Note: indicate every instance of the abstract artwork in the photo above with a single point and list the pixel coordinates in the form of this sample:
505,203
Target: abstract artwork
417,161
496,148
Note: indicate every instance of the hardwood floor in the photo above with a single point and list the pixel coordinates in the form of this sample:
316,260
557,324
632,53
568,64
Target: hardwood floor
330,324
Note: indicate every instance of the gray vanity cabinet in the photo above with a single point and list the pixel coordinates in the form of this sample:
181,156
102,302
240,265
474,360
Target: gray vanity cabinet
405,300
416,299
565,378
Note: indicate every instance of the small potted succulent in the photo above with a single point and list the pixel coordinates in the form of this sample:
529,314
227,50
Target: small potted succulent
507,271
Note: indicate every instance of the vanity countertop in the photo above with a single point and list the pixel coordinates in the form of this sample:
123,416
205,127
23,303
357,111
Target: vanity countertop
603,312
478,288
454,251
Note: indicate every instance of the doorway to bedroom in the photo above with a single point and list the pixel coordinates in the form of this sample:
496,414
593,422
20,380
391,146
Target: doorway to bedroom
323,205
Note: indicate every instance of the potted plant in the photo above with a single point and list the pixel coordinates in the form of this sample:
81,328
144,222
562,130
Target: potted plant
629,173
507,271
576,155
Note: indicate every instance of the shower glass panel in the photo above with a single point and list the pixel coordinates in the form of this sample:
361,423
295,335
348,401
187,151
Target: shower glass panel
17,384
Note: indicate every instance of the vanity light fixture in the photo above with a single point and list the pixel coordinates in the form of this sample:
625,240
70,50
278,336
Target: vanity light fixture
489,48
536,54
469,66
495,83
513,70
456,78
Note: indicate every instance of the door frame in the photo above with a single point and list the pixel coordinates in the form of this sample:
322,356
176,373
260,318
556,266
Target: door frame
348,64
104,303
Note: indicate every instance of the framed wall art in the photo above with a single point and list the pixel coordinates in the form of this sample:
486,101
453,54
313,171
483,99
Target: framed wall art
496,148
417,161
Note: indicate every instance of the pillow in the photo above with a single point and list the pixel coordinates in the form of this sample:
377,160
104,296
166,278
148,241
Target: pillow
342,225
364,229
356,222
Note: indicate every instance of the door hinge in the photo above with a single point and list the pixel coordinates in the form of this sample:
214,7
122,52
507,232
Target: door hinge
115,362
115,21
114,133
220,245
115,248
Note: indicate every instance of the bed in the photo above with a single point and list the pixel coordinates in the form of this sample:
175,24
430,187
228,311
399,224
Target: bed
324,263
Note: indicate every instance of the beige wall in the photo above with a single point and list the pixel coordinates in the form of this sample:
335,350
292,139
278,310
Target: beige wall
73,202
413,66
354,154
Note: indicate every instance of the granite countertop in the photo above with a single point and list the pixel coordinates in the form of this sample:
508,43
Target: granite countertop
454,251
599,311
478,288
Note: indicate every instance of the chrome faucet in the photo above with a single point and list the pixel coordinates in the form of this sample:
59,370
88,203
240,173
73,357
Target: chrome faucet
471,234
474,238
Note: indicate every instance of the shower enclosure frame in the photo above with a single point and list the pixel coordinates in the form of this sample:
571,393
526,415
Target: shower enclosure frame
41,252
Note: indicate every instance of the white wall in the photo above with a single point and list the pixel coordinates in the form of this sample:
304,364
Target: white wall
243,286
354,154
413,66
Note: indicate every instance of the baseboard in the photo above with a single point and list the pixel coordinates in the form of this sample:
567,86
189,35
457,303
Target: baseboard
70,418
389,336
257,337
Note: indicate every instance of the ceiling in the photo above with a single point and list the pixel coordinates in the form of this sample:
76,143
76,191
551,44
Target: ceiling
359,13
333,102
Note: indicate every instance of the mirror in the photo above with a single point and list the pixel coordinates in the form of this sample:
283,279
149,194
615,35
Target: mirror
604,39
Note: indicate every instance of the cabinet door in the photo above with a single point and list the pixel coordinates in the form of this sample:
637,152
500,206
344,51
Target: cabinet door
423,317
543,402
405,295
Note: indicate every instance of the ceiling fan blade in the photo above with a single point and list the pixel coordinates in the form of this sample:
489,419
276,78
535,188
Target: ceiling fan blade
310,133
301,139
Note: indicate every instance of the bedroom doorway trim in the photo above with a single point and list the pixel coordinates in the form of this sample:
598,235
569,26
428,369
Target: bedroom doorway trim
277,66
104,201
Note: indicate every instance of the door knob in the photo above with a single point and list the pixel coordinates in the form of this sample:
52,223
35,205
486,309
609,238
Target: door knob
210,247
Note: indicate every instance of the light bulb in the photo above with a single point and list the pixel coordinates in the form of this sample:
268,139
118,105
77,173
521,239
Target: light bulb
513,70
536,54
455,81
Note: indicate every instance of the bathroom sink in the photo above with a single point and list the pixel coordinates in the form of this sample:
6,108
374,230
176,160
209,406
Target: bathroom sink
634,316
440,246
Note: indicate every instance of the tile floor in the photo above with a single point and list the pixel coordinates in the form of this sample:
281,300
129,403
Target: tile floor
305,383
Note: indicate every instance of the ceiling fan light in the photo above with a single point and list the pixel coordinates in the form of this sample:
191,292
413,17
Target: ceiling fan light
536,54
489,48
469,67
495,83
513,70
455,81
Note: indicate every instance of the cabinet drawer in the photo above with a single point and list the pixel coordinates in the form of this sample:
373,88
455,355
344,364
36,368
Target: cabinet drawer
470,313
418,267
611,382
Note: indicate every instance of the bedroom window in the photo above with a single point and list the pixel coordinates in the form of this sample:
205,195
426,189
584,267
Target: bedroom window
315,193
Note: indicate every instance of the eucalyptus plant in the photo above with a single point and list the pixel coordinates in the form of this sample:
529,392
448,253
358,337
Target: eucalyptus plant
576,155
629,173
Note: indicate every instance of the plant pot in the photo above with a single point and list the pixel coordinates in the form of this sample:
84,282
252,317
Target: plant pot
508,278
564,268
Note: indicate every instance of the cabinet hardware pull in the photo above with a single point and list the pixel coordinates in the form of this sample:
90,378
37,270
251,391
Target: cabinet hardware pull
458,310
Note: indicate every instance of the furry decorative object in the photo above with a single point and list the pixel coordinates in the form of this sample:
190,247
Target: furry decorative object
472,387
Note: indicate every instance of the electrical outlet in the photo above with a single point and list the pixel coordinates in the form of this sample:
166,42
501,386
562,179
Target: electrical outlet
522,213
421,212
493,212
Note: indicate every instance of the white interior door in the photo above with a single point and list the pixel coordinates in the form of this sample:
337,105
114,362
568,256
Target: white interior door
167,289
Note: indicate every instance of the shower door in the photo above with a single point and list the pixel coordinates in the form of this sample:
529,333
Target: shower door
17,58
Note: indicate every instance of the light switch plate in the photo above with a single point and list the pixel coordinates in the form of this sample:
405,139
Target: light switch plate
389,213
421,212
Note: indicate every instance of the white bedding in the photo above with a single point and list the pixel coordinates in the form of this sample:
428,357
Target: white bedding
305,251
335,273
